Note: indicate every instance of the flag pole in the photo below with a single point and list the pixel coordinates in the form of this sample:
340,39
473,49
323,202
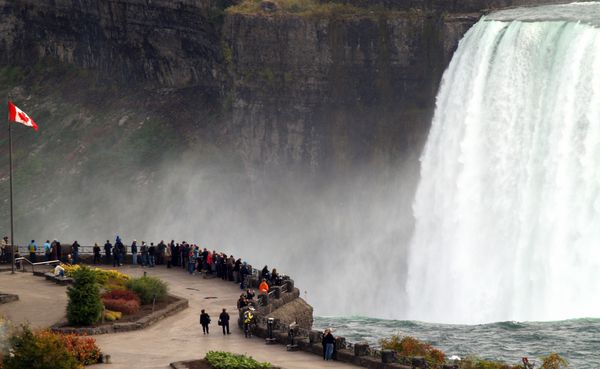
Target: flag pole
12,233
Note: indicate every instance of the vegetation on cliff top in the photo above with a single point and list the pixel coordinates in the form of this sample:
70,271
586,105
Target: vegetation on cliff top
308,8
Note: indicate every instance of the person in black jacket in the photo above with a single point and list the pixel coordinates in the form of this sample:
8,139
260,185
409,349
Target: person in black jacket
96,254
224,321
328,344
204,321
107,251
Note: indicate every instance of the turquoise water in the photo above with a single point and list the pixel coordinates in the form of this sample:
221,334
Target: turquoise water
577,340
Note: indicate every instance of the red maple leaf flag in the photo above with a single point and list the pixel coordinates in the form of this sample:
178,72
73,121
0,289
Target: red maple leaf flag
17,115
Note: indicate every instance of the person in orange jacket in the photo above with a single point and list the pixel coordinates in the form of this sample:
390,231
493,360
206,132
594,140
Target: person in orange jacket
263,287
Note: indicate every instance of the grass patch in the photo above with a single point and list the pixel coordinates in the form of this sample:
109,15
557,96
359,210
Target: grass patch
312,8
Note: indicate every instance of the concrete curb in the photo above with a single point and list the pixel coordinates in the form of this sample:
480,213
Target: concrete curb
141,323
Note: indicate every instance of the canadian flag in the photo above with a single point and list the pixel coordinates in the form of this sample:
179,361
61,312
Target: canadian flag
17,115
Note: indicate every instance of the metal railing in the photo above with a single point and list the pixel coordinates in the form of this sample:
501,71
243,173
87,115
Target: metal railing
20,261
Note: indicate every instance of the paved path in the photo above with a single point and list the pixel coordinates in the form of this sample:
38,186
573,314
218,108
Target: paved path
176,338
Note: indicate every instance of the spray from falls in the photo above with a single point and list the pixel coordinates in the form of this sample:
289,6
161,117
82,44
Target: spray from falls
507,210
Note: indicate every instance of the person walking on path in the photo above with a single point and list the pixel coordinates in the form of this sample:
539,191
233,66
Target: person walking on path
224,321
328,344
204,321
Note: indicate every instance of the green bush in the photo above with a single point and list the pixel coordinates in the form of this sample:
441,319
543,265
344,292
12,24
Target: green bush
85,307
147,288
227,360
30,351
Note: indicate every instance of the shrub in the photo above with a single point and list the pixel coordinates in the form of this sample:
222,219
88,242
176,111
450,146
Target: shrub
111,316
227,360
148,288
124,306
475,363
42,351
82,348
410,347
84,307
110,279
121,295
554,361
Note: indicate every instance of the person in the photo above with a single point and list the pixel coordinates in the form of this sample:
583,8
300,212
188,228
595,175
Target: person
263,287
5,250
115,255
275,280
242,302
224,321
107,251
144,250
243,273
265,273
168,255
151,255
250,294
192,260
59,271
236,270
204,321
47,250
75,252
96,254
58,250
527,364
160,248
328,344
134,251
33,247
120,251
248,320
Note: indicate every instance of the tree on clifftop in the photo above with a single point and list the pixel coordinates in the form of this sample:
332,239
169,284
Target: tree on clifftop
85,306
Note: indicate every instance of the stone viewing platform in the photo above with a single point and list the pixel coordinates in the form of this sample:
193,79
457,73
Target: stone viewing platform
176,338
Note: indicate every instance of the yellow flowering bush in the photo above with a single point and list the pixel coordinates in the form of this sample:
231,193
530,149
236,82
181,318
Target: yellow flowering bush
110,279
111,316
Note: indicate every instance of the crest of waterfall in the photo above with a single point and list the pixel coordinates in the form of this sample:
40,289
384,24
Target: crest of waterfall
507,209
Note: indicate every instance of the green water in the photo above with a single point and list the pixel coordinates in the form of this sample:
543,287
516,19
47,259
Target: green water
577,340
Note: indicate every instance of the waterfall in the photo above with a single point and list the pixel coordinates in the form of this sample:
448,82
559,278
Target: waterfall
507,211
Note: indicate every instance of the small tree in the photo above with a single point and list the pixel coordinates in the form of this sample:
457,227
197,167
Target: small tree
85,306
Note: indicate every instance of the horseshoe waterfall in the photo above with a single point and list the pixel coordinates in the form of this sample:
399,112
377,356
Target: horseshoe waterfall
507,209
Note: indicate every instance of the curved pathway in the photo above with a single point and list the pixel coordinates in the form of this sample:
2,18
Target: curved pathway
176,338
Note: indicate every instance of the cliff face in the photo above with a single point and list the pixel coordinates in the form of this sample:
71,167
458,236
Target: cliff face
169,43
335,91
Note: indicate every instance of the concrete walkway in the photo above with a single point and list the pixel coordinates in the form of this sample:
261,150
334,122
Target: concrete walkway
173,339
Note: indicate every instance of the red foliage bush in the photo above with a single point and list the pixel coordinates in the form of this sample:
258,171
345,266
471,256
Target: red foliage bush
121,295
124,306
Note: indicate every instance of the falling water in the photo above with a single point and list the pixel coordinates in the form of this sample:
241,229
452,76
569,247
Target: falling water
508,206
